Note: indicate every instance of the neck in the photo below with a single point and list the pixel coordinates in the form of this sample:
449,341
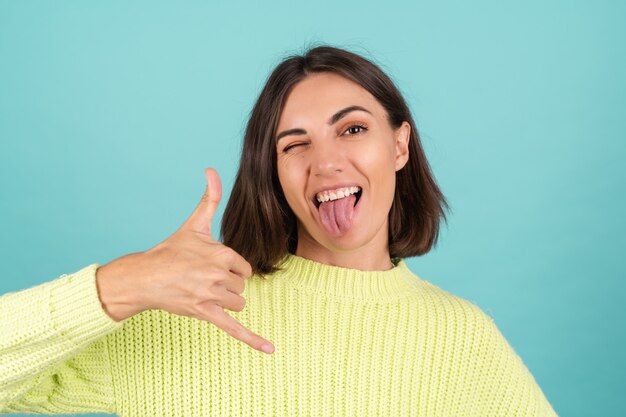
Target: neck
372,257
347,283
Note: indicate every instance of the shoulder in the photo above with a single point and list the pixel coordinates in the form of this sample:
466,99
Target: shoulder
483,342
460,319
474,347
440,300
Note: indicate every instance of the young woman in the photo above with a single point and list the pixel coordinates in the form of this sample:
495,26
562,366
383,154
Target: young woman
333,191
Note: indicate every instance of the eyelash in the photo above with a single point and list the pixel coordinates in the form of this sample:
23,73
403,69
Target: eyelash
362,127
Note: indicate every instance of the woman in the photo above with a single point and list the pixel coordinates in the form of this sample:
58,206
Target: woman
332,192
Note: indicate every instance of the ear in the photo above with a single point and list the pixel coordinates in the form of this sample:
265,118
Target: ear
402,135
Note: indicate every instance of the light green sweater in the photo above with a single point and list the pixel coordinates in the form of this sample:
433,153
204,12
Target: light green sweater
348,343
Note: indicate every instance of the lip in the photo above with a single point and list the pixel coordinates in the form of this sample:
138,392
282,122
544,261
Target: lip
357,207
332,187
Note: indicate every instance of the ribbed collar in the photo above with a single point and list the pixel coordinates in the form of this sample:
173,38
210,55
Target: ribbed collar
351,283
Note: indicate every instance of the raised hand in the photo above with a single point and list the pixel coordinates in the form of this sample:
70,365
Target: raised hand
190,274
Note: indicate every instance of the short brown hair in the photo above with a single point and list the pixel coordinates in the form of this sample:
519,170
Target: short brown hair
259,224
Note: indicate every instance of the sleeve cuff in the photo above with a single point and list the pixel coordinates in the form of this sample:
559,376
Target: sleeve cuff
75,308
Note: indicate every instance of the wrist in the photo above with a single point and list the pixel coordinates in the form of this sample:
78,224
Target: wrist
116,283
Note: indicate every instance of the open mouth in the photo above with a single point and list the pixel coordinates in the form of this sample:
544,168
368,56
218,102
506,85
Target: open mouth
356,201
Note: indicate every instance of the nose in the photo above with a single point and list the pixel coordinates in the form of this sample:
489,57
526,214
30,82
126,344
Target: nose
327,158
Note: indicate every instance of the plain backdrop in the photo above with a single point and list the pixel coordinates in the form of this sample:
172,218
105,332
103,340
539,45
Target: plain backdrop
111,110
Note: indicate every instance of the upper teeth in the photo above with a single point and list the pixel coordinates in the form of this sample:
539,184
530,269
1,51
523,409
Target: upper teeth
335,194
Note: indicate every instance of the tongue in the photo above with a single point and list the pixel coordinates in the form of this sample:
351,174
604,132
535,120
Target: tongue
336,215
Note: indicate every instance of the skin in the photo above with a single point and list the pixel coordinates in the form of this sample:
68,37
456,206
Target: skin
192,274
327,155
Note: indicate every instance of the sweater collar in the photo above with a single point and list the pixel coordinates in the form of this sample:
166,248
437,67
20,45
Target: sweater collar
343,282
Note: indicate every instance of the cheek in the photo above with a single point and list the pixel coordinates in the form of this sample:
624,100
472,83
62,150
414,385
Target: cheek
378,165
379,149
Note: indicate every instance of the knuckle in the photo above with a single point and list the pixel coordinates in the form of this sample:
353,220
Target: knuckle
203,295
206,309
213,277
241,304
240,286
201,314
249,270
230,255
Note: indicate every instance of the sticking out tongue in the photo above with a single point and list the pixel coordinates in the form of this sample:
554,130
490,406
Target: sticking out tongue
336,215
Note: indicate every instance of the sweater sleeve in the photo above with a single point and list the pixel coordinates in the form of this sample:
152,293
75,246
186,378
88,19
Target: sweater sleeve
53,352
502,384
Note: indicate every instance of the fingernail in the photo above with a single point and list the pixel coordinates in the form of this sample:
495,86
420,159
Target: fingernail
267,348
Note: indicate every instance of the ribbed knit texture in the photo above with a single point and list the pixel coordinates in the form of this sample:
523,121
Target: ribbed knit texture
348,343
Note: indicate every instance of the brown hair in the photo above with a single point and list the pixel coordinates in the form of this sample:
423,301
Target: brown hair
259,224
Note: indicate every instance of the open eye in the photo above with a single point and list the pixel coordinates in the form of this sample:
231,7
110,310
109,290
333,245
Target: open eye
360,128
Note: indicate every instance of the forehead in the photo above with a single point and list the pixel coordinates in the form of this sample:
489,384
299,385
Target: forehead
320,95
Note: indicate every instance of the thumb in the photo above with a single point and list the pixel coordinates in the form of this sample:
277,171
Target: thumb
202,217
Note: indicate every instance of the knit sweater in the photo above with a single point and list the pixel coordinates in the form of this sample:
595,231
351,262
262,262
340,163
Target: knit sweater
348,343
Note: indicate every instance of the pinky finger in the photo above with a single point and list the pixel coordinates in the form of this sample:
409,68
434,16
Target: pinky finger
226,322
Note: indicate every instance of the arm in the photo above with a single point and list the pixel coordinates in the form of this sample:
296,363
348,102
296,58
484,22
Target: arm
53,353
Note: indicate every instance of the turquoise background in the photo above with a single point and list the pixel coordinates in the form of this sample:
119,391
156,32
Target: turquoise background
111,110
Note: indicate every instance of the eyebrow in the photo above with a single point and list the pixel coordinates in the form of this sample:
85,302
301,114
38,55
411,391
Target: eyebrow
333,119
